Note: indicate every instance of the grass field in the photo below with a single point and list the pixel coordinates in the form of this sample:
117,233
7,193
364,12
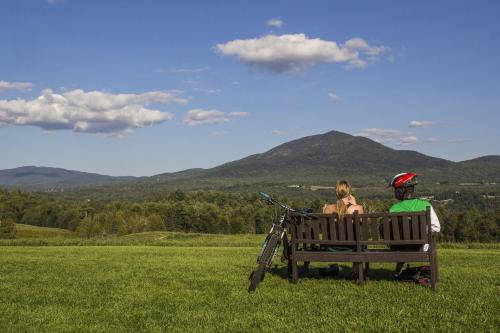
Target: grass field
203,288
24,231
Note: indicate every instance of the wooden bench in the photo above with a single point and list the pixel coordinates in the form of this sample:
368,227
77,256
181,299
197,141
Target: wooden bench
369,236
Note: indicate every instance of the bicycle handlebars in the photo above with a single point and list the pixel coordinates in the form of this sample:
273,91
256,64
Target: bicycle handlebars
270,200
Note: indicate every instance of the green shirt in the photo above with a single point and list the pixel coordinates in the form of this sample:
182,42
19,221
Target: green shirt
411,205
417,205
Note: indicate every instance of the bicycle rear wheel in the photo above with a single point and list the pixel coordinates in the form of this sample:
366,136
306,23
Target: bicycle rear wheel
267,253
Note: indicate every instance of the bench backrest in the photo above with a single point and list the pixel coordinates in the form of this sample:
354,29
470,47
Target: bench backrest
325,229
362,229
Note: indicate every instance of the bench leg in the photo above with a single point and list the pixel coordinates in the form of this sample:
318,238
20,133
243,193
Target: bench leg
305,269
361,279
295,271
433,277
289,268
367,271
434,272
436,267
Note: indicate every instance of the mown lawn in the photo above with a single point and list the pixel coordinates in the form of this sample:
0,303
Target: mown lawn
200,289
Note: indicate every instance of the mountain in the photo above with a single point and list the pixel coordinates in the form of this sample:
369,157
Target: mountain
44,177
313,160
333,155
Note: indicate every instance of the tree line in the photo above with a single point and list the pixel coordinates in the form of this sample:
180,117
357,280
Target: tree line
466,217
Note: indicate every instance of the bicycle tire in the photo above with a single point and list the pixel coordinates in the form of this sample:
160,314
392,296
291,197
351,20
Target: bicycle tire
258,274
263,247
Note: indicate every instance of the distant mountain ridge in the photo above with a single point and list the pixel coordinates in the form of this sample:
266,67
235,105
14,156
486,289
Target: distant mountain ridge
333,155
316,159
33,176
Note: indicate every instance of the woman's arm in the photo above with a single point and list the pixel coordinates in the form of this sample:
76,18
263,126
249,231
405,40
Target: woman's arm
352,200
329,208
354,208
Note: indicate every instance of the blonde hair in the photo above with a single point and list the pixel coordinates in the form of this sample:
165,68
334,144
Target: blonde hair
342,191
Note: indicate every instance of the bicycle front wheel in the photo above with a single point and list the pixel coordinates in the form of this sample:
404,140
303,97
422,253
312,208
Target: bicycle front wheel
267,254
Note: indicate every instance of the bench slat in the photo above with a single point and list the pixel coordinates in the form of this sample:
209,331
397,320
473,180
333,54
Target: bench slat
349,224
315,230
415,231
406,227
300,232
392,242
374,228
332,222
328,242
323,227
423,227
395,228
387,228
342,234
389,256
364,229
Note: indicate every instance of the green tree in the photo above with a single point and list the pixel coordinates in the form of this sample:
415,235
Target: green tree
7,228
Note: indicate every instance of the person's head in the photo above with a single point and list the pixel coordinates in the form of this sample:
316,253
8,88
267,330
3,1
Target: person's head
404,185
342,191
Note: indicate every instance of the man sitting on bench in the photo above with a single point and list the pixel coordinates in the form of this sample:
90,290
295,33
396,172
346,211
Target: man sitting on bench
404,188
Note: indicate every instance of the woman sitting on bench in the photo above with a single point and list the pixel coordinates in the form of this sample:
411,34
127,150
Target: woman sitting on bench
346,204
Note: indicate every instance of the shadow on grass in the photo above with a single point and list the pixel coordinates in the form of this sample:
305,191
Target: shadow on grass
345,273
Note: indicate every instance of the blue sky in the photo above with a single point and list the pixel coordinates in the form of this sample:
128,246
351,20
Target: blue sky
145,87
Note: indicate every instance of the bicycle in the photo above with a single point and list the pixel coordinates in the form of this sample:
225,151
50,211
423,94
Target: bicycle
272,243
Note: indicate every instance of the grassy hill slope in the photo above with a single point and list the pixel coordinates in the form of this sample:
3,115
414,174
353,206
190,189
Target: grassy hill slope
31,231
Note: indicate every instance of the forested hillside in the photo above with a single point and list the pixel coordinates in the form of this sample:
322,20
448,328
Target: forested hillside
465,216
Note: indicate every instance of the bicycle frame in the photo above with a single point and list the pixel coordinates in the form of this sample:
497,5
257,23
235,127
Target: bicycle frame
272,243
277,228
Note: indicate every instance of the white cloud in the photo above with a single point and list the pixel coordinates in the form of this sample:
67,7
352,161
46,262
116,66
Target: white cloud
275,23
421,123
188,70
202,117
210,91
431,140
362,45
296,52
459,140
408,140
333,96
88,112
278,132
393,136
4,85
239,114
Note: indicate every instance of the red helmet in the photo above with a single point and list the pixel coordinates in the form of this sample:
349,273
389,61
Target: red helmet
405,179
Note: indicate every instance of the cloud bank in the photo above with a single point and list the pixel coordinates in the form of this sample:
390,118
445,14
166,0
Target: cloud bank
88,112
4,85
295,53
278,132
382,135
196,117
421,123
239,114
